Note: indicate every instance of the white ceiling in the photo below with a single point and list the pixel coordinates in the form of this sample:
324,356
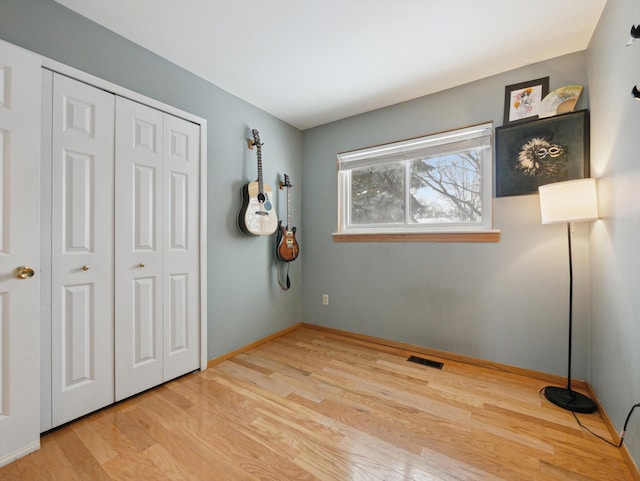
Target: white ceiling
309,62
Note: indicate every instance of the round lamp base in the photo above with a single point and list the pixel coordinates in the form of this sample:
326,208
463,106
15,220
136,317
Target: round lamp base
569,399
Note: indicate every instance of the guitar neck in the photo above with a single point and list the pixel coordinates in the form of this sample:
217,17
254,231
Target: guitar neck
260,182
256,141
288,209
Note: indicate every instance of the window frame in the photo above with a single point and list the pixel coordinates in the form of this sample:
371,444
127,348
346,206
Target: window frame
410,150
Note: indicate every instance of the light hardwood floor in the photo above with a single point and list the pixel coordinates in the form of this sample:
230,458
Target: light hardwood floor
313,405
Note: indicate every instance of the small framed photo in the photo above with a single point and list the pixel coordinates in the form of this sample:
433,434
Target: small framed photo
522,100
543,151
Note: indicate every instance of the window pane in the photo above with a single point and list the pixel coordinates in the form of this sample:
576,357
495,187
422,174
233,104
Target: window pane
446,189
439,182
377,194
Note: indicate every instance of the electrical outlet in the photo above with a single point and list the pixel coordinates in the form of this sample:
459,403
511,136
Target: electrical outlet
325,299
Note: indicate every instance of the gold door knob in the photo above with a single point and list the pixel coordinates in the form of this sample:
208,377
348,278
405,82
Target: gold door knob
24,272
141,265
85,268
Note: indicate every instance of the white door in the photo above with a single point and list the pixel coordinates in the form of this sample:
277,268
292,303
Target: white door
181,247
19,253
139,248
81,249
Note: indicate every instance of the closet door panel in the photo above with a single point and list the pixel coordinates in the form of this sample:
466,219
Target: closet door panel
81,249
139,247
181,256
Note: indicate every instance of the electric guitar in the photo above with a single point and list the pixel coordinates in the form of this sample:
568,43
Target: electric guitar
287,248
257,215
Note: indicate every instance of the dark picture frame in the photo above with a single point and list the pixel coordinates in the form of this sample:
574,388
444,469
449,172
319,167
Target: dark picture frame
522,100
531,154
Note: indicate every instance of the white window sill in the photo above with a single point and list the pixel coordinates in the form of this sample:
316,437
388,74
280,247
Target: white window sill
469,236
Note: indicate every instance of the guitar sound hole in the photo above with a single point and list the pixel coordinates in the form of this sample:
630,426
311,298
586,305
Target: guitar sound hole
261,197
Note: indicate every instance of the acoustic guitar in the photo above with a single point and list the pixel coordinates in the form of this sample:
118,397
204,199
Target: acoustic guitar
286,245
257,215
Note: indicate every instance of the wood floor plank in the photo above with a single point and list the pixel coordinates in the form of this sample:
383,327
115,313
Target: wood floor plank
11,472
194,452
118,469
83,462
33,468
97,436
254,452
314,405
56,462
200,459
172,468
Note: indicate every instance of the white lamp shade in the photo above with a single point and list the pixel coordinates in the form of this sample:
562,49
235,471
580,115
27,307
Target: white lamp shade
570,201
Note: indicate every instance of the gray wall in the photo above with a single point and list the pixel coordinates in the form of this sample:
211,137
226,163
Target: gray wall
245,302
505,302
613,70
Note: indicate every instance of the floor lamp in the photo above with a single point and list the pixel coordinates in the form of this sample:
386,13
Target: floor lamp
570,201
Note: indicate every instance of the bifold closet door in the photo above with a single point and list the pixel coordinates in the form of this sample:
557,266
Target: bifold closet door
139,248
82,239
157,247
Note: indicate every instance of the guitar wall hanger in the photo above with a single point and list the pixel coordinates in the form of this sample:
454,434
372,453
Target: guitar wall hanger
252,143
635,35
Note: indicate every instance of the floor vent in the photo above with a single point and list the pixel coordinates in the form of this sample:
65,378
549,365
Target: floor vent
425,362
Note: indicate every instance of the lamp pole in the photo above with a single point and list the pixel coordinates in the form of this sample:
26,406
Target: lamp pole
567,398
570,305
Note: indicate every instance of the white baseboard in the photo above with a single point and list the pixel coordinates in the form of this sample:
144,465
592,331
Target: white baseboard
10,458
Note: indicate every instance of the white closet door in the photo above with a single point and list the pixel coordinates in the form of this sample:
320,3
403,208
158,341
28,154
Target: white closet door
181,247
139,248
82,249
19,246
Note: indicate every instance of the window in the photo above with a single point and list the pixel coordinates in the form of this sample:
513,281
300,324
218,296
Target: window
437,183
